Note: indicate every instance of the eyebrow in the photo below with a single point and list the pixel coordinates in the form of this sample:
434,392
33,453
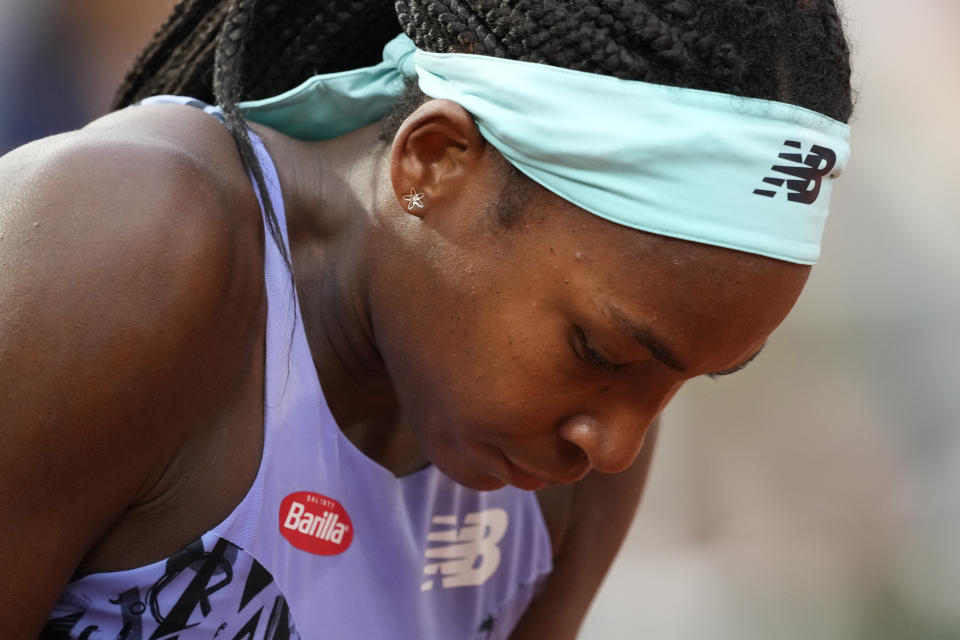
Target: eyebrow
646,337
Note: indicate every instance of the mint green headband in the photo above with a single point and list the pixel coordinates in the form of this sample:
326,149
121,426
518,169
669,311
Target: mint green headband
741,173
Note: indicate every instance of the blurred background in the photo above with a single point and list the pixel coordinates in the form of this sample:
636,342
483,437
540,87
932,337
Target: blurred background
816,494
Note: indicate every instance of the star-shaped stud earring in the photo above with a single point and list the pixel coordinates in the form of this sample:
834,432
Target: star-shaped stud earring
413,200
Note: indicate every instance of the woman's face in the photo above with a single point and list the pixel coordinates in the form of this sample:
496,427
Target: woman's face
532,354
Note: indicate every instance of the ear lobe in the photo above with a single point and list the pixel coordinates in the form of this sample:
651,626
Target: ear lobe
434,150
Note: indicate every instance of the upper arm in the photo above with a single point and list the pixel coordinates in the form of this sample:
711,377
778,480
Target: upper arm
594,516
104,306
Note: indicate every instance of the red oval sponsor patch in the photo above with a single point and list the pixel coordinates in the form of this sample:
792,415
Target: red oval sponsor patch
315,523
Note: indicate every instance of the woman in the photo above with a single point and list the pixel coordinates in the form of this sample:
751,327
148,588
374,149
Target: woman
334,427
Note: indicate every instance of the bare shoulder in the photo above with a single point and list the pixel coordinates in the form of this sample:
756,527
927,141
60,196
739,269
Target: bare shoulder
128,290
137,213
137,169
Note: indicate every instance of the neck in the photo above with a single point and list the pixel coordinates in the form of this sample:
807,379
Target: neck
335,192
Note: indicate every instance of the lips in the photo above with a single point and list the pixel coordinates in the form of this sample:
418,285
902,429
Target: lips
523,480
532,481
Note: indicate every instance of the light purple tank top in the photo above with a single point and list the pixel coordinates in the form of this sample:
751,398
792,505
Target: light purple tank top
327,544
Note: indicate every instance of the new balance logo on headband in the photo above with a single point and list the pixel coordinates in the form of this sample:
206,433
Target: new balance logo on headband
807,173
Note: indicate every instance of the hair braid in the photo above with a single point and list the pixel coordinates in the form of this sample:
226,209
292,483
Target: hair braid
294,41
311,42
772,49
288,42
192,61
147,69
227,87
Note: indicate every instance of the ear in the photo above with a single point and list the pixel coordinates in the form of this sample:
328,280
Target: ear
435,151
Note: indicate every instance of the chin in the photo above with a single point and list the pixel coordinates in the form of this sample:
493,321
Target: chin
475,481
488,483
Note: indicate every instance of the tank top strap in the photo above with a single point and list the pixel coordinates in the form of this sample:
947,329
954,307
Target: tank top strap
281,295
209,109
282,317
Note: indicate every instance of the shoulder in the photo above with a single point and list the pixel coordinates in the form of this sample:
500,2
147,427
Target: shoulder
130,294
134,169
138,210
133,245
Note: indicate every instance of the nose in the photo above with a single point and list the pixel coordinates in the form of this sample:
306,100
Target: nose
611,429
610,444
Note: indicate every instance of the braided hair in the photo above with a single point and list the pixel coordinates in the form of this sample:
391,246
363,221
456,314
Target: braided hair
226,51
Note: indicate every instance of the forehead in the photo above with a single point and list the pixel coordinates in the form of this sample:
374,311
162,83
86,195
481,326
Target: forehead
589,238
696,295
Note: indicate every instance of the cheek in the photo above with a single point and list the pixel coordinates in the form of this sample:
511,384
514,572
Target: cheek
496,371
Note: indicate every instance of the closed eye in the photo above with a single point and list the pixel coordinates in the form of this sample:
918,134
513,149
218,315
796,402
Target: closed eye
717,374
589,354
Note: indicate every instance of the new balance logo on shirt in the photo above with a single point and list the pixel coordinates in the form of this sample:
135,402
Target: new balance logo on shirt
467,555
805,174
